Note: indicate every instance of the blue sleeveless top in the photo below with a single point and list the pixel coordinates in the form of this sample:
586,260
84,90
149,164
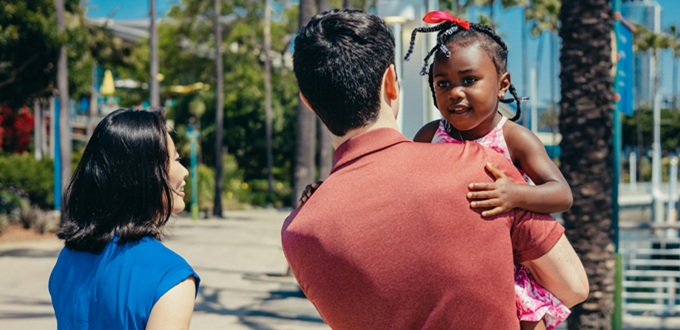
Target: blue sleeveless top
117,288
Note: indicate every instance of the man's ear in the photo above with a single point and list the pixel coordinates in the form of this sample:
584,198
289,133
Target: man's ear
390,83
304,100
503,84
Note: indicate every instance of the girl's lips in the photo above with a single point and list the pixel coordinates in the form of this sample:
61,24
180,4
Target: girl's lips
459,111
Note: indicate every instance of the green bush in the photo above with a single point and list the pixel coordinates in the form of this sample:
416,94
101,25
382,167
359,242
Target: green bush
34,177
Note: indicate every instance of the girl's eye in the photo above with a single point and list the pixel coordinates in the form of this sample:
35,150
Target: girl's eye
469,80
443,84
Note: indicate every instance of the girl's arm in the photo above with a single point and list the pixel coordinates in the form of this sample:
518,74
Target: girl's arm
551,193
426,133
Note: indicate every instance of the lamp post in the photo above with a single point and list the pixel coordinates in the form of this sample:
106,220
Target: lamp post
403,16
193,135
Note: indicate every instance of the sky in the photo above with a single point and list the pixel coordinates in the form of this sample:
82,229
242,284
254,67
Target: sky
509,21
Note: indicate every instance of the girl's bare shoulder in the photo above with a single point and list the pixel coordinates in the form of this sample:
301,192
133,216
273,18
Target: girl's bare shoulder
520,140
426,133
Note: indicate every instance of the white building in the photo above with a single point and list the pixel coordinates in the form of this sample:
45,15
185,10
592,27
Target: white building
645,67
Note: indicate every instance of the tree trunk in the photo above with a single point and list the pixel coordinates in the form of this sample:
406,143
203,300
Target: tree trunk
64,112
325,145
219,110
154,96
675,82
346,4
306,128
37,131
268,95
586,126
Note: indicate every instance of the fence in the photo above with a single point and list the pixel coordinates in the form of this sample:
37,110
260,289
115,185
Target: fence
651,268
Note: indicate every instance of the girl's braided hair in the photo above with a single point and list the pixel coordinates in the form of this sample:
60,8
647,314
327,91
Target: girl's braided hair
449,32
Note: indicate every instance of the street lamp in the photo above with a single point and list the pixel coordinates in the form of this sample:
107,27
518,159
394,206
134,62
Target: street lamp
403,16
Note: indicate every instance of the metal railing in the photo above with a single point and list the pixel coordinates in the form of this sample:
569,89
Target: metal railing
651,268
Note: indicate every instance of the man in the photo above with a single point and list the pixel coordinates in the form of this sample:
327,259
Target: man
389,240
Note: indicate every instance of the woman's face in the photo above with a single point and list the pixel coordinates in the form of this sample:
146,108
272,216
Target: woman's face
176,175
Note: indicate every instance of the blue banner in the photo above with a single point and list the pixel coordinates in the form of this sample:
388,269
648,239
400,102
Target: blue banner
624,68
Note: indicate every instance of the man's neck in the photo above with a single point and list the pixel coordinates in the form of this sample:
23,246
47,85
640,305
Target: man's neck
385,120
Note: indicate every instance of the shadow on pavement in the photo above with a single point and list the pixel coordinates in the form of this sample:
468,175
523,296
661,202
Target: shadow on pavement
8,316
280,306
30,253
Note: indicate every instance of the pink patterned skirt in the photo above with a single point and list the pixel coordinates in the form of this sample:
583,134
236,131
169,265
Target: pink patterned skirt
535,303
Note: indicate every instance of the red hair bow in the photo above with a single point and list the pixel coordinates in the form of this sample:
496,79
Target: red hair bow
437,16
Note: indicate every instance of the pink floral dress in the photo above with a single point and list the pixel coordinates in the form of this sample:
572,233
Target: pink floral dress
533,301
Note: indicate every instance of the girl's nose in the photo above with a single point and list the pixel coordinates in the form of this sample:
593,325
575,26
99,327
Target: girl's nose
457,93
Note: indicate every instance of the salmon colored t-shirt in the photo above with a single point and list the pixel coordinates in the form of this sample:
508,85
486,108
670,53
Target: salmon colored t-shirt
389,240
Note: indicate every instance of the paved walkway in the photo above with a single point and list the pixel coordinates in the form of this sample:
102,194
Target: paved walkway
240,263
239,260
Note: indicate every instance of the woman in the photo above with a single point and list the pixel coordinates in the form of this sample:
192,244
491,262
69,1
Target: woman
113,272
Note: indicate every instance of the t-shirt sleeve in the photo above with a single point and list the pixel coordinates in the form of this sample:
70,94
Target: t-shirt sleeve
533,235
177,271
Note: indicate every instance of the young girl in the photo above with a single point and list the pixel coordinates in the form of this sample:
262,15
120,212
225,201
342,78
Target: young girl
468,78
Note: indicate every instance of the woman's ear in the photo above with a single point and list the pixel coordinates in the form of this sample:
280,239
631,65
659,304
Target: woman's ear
504,84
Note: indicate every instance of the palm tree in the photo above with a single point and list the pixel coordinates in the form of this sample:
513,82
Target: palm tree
219,109
64,111
268,94
325,146
674,35
306,128
153,47
586,125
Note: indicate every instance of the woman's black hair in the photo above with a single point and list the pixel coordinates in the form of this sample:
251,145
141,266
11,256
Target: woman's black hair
491,42
120,186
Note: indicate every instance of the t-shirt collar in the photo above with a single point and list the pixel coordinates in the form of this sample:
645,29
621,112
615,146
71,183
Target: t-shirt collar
366,143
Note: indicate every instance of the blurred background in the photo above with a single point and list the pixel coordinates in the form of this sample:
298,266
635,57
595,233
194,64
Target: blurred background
222,72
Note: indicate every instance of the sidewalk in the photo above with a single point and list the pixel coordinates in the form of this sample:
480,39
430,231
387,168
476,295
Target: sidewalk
238,258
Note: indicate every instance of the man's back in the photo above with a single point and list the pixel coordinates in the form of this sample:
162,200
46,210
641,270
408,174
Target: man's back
389,240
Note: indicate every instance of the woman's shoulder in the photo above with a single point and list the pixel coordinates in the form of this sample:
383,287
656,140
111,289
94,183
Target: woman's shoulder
152,249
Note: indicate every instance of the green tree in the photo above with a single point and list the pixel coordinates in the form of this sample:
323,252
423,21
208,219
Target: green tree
29,46
186,46
586,126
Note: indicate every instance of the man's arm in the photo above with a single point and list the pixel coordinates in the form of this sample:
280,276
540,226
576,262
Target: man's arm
561,272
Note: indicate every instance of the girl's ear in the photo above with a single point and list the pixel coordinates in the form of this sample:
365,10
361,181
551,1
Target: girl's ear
504,84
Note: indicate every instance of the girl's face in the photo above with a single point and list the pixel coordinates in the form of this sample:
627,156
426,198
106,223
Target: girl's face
176,175
467,88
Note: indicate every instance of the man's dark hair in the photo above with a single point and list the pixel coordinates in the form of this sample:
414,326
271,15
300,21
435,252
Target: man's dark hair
120,186
450,34
340,58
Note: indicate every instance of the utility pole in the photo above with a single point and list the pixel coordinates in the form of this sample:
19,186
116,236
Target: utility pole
64,170
219,110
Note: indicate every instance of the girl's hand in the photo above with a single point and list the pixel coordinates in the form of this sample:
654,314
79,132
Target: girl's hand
498,196
309,190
